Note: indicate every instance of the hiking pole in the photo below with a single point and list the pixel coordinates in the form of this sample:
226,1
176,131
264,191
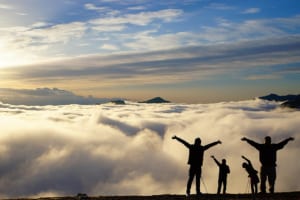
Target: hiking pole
247,186
204,185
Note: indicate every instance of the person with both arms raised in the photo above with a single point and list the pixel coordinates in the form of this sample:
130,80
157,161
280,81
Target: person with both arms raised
195,161
267,158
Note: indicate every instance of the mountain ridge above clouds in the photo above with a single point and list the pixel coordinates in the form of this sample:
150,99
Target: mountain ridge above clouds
156,100
289,101
55,96
276,97
46,96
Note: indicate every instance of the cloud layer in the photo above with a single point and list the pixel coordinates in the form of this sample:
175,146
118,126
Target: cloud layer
118,150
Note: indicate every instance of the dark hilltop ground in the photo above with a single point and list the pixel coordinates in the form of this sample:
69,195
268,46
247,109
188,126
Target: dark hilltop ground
276,196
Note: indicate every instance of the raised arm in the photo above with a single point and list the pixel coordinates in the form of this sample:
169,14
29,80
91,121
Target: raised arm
251,142
218,163
212,144
281,144
249,162
182,141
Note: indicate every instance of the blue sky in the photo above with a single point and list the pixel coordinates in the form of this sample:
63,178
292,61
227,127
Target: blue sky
185,51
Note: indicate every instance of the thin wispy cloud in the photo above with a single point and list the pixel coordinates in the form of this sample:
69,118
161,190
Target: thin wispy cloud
109,47
251,11
264,77
6,7
220,6
157,64
137,8
90,6
44,33
140,19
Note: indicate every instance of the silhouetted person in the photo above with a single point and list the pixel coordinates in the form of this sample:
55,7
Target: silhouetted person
252,174
267,158
223,171
195,161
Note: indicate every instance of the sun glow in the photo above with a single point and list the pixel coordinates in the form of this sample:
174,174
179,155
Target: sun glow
11,58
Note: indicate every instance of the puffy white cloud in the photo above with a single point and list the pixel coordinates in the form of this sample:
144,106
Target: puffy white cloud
110,149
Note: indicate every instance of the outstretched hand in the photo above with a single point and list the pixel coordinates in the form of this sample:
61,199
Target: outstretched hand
212,156
219,142
244,139
174,137
291,139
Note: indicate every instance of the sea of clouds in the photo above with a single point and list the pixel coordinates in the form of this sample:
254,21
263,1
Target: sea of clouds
127,149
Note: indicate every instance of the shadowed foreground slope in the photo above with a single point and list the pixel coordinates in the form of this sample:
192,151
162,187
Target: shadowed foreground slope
276,196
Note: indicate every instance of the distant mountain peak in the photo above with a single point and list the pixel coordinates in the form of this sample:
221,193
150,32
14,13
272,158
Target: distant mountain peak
290,101
156,100
275,97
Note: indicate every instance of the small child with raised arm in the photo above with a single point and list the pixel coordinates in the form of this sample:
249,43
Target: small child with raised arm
252,174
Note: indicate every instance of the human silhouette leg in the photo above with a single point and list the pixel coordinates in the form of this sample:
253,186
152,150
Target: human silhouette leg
198,177
272,178
219,186
255,188
252,188
192,173
189,184
224,186
263,178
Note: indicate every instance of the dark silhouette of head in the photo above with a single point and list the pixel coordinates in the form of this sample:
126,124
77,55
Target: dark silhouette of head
268,140
244,165
223,161
197,141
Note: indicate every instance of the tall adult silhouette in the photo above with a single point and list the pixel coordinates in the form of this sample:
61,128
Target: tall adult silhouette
196,152
223,171
252,173
267,158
